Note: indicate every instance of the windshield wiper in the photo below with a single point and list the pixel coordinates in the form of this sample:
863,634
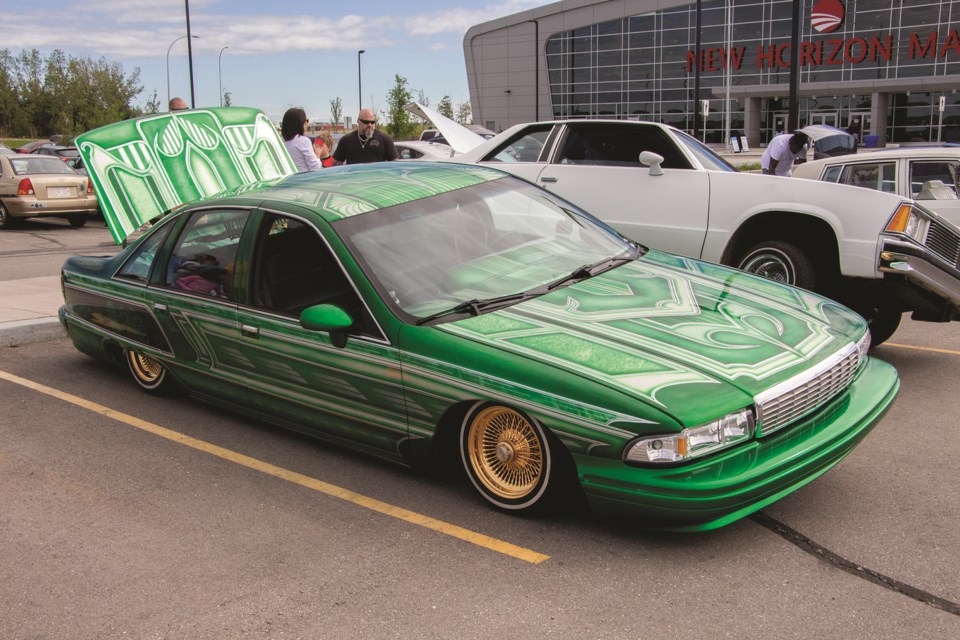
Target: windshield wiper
477,306
589,270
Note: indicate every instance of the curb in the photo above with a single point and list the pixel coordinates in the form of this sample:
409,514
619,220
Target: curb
21,332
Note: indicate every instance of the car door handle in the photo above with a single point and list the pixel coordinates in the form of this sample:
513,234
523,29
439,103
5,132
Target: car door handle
549,179
250,332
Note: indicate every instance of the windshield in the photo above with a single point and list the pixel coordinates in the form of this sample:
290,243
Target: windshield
704,154
490,240
34,165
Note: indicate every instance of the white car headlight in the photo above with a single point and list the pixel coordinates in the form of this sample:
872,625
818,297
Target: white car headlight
693,442
863,346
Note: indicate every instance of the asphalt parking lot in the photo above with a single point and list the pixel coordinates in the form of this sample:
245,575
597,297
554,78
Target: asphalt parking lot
125,515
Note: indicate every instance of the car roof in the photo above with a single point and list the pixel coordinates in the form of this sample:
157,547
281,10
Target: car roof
351,190
893,153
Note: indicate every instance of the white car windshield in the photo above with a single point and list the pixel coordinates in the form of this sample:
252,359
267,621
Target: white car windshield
478,243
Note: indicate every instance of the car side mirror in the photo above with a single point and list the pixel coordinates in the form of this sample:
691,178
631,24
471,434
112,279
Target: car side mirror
329,318
652,160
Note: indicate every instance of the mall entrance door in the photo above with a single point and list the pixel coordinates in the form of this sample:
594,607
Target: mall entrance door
830,118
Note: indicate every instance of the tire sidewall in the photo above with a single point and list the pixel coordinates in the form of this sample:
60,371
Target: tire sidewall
155,386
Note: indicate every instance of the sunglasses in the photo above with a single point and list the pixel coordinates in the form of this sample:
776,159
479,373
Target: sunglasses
368,121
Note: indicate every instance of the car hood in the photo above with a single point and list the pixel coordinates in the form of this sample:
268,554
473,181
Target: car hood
689,337
457,135
142,168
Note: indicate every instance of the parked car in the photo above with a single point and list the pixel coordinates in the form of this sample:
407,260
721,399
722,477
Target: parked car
930,175
6,151
32,186
429,313
31,147
416,150
67,154
878,253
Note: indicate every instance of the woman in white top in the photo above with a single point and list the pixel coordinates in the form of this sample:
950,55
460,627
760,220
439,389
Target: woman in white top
292,128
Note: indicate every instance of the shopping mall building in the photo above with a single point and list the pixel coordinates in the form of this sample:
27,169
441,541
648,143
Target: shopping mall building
882,64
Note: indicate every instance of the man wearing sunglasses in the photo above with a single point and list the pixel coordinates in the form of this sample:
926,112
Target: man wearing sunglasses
366,144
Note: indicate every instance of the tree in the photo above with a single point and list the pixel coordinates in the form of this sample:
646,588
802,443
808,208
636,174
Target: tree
422,98
336,111
464,112
61,94
227,98
399,125
153,103
445,107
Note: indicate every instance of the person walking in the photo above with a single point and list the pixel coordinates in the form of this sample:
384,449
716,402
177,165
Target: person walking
293,129
366,144
782,152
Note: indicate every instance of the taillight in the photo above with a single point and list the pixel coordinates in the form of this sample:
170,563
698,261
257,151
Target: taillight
25,188
89,188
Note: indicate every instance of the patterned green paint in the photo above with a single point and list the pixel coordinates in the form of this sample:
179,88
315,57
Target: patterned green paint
144,167
355,189
662,330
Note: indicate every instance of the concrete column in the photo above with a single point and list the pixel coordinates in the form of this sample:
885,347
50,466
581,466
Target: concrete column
879,107
751,121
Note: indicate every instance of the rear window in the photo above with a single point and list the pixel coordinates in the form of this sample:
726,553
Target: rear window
33,166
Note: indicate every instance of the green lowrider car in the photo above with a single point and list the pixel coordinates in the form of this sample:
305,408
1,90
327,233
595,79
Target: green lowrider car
430,313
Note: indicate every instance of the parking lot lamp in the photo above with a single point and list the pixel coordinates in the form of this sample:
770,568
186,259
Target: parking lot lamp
359,80
220,73
168,63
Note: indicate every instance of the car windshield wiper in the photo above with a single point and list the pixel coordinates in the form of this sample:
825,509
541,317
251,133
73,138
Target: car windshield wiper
477,306
589,270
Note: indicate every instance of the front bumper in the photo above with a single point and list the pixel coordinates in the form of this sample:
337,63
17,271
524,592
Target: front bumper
723,488
922,268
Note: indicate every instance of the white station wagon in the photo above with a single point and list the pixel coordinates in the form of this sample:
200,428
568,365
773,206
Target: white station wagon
879,253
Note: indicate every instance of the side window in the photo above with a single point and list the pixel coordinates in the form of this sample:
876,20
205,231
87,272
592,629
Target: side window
137,266
880,176
406,153
923,171
525,148
619,145
832,174
203,259
294,269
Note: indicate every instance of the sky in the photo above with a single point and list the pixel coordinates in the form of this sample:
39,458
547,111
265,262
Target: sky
280,53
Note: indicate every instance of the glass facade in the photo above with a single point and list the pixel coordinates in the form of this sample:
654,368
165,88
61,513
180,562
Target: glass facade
643,66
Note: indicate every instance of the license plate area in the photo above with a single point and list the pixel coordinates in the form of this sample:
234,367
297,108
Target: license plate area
59,192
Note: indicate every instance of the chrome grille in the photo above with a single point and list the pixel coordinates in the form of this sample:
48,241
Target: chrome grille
943,241
804,393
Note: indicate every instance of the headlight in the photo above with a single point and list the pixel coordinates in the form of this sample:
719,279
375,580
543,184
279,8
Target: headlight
863,346
907,222
693,442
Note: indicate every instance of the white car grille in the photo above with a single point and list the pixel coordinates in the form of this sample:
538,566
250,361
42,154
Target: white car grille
943,241
804,393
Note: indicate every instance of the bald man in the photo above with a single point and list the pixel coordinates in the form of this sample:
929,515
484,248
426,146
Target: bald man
366,144
178,104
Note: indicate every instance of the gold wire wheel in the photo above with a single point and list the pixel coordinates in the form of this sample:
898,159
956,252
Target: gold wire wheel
148,371
505,452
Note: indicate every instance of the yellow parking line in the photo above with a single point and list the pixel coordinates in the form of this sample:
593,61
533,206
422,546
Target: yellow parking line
291,476
952,352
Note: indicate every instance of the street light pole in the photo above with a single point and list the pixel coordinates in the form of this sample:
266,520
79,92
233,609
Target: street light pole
360,80
193,102
168,63
220,73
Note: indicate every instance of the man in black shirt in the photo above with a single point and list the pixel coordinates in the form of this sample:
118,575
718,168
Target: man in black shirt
365,144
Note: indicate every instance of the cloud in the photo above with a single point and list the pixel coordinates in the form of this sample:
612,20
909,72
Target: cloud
147,28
